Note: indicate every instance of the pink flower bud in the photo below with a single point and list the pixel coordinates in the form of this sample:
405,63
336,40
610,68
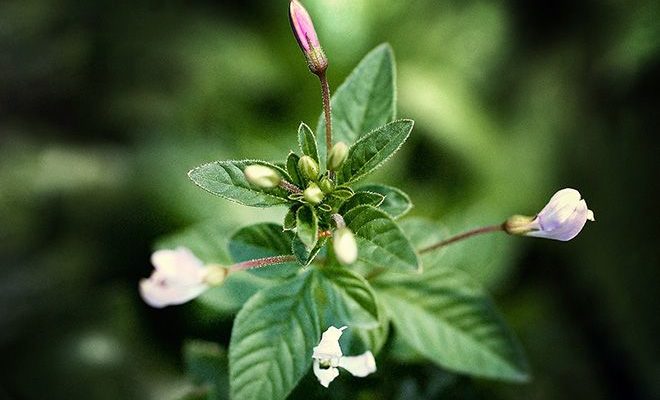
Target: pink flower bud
303,30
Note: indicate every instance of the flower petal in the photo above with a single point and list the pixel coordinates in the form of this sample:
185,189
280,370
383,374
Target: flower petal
328,348
325,375
359,366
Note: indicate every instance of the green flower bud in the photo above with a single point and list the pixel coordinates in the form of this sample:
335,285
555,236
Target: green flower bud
326,185
345,246
308,167
313,194
262,176
337,156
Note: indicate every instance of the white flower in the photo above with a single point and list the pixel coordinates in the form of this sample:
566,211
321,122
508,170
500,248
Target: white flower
345,246
178,277
328,356
561,219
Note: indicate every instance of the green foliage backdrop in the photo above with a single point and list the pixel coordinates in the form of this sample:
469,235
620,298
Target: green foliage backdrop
105,105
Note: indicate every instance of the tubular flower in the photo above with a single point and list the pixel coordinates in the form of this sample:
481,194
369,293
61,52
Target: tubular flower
561,219
328,356
303,30
178,277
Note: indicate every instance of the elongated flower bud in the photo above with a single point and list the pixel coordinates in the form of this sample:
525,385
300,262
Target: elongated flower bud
561,219
345,246
303,30
308,167
313,194
262,176
337,156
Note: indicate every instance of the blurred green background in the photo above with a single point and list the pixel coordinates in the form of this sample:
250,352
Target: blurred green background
105,105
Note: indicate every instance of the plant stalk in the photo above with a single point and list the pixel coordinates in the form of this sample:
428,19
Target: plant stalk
261,262
462,236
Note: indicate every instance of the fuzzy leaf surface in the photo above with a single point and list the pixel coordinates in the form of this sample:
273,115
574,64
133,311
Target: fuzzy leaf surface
272,339
227,180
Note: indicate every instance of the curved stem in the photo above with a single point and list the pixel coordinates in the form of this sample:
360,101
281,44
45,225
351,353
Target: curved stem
462,236
325,92
261,262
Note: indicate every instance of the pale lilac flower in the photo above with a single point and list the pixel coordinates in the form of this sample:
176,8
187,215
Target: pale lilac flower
561,219
328,356
178,277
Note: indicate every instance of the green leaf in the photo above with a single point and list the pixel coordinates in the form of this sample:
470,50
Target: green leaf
206,364
423,233
450,320
307,142
396,203
292,169
365,101
229,297
227,180
207,241
380,240
307,226
345,298
360,199
373,149
272,341
290,219
304,255
260,241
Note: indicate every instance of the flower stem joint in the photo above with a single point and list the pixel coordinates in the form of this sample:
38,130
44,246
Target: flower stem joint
303,30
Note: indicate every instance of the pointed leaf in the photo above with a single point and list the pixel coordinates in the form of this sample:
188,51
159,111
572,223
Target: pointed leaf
292,169
450,320
361,199
272,341
396,203
307,142
227,180
260,241
365,101
307,226
380,240
304,255
373,149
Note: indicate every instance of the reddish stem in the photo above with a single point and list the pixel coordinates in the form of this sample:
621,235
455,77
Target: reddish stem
462,236
261,262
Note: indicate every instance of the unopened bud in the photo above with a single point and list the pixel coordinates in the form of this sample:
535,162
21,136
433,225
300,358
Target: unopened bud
345,246
215,275
303,30
326,185
262,176
308,167
337,156
313,194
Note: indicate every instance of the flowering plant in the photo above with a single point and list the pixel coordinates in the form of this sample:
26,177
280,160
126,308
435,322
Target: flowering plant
343,256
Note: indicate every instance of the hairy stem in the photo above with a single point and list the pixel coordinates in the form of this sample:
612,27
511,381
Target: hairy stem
325,92
290,187
261,262
339,221
462,236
